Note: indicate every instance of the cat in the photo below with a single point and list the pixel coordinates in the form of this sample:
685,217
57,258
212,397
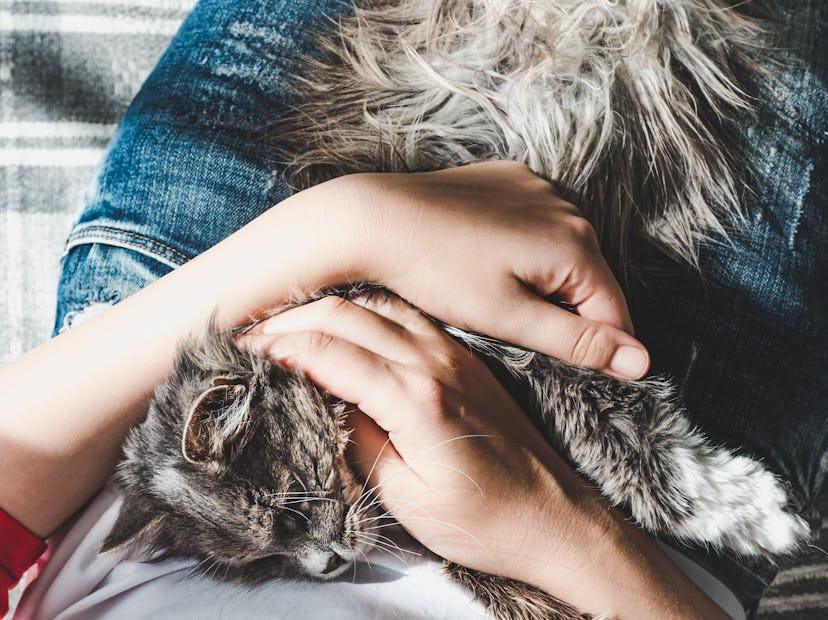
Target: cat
624,105
241,464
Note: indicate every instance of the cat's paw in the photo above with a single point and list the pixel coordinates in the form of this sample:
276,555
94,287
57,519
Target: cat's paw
740,505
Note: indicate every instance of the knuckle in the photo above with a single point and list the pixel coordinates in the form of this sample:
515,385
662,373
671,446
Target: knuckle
429,392
314,342
569,208
446,361
591,347
582,230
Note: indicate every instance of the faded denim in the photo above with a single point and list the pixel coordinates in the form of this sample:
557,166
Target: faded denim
748,344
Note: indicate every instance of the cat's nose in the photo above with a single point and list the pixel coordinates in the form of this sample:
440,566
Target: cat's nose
334,562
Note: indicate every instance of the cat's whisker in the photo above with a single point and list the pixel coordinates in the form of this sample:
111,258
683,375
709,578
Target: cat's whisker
375,528
354,566
313,499
213,568
459,471
385,517
373,467
404,502
366,508
290,495
298,512
458,438
195,569
365,557
359,504
378,537
369,492
392,549
370,519
442,522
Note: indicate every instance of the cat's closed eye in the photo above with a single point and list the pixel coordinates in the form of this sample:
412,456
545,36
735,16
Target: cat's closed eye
292,521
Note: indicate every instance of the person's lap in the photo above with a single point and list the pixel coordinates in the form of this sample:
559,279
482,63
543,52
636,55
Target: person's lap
748,345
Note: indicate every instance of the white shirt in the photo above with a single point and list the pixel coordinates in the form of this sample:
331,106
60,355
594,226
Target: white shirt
79,583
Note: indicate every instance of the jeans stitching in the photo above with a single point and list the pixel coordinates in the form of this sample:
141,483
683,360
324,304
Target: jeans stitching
174,255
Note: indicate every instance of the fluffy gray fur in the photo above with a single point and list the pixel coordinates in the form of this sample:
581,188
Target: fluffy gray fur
240,464
623,103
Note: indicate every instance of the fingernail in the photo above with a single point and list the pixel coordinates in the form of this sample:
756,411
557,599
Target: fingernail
630,361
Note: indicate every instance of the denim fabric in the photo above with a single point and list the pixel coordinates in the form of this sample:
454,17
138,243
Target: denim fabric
748,343
187,165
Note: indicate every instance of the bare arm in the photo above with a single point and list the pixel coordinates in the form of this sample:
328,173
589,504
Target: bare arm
69,402
474,246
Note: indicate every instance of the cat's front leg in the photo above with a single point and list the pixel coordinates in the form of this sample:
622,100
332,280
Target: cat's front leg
635,441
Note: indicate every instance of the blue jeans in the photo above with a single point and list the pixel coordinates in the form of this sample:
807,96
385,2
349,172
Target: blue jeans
747,342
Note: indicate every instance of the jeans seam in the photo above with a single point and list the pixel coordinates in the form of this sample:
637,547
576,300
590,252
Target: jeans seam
129,240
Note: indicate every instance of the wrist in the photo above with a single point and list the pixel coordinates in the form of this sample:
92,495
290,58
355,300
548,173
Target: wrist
388,217
589,554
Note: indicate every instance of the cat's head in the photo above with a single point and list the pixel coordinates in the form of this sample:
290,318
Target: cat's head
240,464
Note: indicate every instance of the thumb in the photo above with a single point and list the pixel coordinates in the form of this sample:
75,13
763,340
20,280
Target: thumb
537,324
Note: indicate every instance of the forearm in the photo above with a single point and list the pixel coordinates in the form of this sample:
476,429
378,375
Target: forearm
68,404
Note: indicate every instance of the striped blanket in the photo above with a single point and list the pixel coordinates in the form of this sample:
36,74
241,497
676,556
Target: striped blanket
68,69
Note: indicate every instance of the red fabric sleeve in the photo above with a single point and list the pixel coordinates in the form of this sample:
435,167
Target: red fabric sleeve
19,550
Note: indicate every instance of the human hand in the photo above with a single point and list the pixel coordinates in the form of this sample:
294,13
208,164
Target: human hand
481,246
451,456
449,451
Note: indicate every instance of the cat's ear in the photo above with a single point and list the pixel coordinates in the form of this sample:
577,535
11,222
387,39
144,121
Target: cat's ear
135,522
217,422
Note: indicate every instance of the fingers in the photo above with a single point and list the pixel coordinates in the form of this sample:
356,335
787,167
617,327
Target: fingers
539,325
394,330
347,320
597,295
581,276
389,392
346,370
